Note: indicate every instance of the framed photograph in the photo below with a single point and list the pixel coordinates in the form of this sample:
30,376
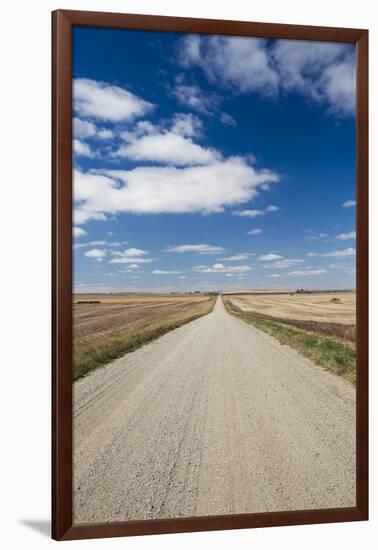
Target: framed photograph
210,274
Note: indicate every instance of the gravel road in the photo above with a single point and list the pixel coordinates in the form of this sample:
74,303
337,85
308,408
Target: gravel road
215,417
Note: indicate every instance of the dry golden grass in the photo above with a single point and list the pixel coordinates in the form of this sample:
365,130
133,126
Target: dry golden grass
328,307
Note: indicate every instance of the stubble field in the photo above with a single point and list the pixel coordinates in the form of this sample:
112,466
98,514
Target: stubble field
327,307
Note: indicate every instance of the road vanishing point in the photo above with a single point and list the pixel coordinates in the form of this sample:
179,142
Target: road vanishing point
215,417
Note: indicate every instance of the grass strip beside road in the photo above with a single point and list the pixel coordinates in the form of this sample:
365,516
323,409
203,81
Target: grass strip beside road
99,352
332,354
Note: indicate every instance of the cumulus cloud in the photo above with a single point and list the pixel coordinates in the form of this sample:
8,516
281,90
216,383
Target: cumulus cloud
104,101
82,149
349,204
186,124
96,253
321,72
168,148
84,129
78,232
249,213
269,257
198,248
346,236
335,253
238,63
173,145
255,232
255,213
133,256
193,97
154,190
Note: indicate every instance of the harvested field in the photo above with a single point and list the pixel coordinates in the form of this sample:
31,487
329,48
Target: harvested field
107,326
338,307
328,313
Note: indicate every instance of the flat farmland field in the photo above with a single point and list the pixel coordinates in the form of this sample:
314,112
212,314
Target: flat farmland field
328,307
105,326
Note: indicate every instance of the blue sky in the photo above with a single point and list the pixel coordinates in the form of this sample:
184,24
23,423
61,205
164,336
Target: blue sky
212,162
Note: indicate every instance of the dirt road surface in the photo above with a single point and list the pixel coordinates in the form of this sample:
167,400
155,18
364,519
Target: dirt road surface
215,417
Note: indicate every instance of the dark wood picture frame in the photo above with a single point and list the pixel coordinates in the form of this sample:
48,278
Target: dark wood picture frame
62,524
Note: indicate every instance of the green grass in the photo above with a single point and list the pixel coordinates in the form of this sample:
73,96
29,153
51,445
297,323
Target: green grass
333,354
102,351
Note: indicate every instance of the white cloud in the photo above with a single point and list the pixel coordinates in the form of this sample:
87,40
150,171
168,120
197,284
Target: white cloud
346,236
255,232
130,260
274,275
284,264
238,257
339,83
156,190
227,119
335,253
133,256
307,272
186,124
238,63
107,102
131,253
221,268
96,253
84,129
271,208
198,248
255,213
168,147
349,204
105,133
82,149
79,232
193,97
269,257
167,143
165,272
249,213
321,72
